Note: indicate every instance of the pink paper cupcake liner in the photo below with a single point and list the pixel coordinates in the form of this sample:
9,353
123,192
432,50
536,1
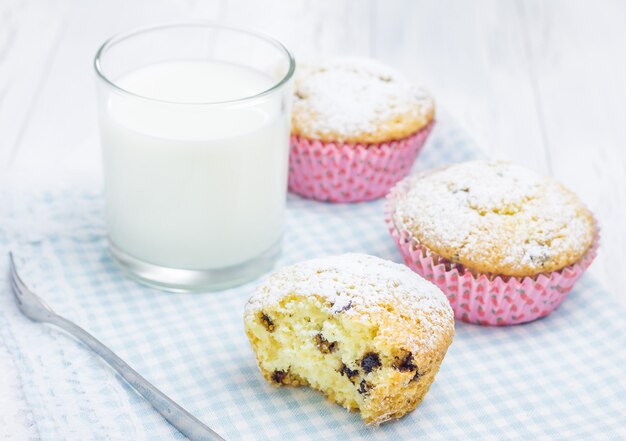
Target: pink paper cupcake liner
489,300
342,172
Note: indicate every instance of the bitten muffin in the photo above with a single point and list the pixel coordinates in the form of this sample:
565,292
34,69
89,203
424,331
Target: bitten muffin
357,127
368,333
493,220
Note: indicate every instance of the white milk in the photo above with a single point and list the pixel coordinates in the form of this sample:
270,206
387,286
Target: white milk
194,186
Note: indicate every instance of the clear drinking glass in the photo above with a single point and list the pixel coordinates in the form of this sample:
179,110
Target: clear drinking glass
194,123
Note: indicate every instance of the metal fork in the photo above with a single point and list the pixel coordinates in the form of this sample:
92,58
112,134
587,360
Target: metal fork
33,307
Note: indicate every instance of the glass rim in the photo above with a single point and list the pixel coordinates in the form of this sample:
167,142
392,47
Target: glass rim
120,37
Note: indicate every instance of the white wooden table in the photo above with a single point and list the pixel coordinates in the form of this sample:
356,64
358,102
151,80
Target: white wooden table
541,83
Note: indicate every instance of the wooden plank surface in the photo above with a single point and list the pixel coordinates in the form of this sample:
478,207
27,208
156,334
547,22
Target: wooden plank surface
30,35
578,59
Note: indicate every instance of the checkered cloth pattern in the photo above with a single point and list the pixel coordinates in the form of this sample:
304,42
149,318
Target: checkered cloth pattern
562,377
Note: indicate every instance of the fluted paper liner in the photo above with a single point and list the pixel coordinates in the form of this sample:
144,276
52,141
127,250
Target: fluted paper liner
343,172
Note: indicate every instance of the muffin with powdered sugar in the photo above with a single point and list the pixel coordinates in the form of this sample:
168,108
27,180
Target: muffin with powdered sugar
504,243
357,128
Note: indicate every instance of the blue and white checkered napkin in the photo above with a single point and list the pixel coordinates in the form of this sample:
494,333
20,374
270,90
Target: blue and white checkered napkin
560,377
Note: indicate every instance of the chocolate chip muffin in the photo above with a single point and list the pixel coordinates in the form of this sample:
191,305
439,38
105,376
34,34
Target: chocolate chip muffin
368,333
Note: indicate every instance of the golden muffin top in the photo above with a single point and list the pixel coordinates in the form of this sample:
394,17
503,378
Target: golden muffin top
357,101
494,217
365,288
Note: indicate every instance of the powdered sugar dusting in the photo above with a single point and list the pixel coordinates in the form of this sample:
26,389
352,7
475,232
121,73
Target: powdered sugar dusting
358,284
494,217
349,98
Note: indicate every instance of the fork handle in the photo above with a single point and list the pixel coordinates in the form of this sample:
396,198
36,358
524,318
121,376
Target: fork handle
178,417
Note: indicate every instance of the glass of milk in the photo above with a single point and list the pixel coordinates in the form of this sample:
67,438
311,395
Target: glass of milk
194,124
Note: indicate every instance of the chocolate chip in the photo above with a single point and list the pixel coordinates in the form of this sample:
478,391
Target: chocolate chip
417,375
405,363
345,370
267,322
370,361
364,387
324,345
279,376
344,308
